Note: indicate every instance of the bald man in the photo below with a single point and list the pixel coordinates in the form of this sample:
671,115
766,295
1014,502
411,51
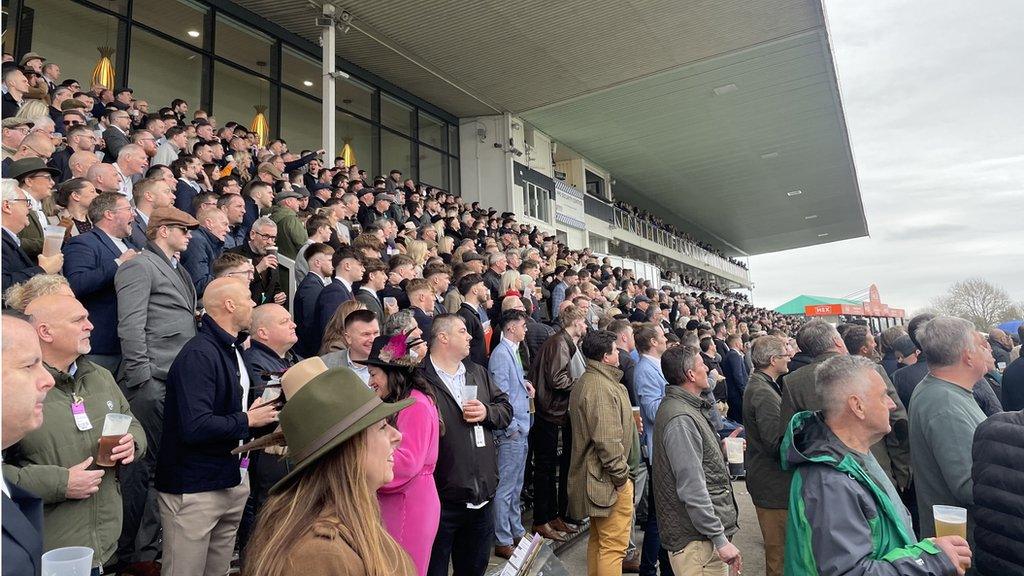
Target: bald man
80,162
83,501
26,383
207,413
104,177
270,352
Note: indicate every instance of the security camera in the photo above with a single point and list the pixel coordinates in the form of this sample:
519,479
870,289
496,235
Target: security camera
497,144
345,16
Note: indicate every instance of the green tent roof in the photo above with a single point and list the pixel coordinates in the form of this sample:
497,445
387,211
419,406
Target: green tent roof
798,304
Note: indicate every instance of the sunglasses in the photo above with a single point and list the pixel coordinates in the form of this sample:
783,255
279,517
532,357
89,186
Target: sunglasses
73,122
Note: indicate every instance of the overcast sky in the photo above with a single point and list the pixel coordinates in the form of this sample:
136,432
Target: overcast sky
934,98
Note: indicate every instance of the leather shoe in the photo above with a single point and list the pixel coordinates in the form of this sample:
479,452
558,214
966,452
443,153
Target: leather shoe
631,565
548,532
503,551
563,526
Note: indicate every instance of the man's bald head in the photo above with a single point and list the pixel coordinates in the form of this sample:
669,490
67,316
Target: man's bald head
63,327
37,144
267,314
50,307
228,302
81,161
103,177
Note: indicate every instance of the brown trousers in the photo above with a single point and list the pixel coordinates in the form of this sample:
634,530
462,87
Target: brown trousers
773,528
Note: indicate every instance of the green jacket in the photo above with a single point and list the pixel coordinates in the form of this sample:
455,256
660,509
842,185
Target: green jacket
605,444
39,462
840,520
291,232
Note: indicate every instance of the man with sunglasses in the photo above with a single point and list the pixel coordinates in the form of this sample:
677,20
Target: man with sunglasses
156,306
37,180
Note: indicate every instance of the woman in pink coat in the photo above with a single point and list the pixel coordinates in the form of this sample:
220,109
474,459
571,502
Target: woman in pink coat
409,504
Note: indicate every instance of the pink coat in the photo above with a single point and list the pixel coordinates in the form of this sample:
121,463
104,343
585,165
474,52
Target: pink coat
409,503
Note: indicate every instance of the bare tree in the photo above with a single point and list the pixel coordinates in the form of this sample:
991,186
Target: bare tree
978,301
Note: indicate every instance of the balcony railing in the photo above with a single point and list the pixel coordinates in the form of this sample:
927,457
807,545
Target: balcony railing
620,218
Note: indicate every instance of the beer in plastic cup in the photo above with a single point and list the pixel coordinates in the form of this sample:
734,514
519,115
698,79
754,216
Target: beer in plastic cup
468,393
637,418
734,455
69,561
53,239
950,521
391,302
115,426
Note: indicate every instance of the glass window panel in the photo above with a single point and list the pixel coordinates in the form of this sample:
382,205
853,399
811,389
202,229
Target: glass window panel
56,21
396,115
395,152
453,139
301,72
359,134
300,122
454,178
354,96
235,95
157,65
241,45
432,131
432,167
180,19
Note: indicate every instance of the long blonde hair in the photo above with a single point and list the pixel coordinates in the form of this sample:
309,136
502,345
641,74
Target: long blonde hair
417,250
333,494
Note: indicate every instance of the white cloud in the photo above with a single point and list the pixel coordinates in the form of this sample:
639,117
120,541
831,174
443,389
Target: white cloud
931,92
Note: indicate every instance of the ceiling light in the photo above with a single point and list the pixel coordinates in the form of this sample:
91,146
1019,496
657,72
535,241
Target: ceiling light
811,217
725,89
307,82
769,155
823,234
794,193
193,33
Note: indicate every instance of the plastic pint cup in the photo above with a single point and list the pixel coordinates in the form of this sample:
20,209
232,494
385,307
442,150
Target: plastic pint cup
53,239
950,521
69,561
115,426
468,393
734,455
637,419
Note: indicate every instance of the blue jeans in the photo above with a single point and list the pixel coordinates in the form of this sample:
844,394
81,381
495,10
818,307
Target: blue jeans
508,511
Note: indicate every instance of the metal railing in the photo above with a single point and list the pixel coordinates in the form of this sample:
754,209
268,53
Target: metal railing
620,218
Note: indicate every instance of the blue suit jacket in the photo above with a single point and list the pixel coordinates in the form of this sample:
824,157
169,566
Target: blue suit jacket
90,268
183,196
305,314
508,376
734,368
202,250
17,266
649,383
22,532
327,303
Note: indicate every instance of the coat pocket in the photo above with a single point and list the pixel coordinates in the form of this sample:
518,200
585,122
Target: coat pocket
600,489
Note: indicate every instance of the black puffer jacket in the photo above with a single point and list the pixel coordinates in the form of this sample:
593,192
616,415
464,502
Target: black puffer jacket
998,511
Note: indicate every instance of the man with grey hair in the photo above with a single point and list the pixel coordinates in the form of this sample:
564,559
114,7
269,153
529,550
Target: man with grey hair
767,482
131,164
800,392
497,263
945,415
845,515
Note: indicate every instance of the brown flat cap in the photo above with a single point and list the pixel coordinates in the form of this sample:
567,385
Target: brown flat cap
171,216
270,169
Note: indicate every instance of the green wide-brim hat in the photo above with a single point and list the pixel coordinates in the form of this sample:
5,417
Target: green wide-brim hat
329,410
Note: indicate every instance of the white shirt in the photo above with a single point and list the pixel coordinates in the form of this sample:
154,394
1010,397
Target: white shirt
244,381
345,283
361,370
118,242
125,189
37,207
453,382
14,236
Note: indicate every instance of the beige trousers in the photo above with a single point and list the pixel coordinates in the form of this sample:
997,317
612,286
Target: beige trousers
773,528
698,559
199,530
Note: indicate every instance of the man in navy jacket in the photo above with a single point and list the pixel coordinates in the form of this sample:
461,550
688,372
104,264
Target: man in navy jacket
206,415
90,263
736,376
348,269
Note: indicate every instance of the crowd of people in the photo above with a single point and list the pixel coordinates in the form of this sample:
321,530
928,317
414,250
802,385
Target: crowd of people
434,366
642,215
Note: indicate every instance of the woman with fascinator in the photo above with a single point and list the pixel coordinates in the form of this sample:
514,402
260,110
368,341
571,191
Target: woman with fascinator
409,503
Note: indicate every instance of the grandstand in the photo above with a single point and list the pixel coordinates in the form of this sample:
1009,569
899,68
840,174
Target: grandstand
686,137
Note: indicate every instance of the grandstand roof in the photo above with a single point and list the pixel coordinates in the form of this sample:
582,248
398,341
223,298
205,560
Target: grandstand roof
710,113
800,303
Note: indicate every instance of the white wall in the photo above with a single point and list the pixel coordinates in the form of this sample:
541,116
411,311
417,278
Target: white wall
485,170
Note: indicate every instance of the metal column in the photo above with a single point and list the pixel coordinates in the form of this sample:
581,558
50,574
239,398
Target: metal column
327,42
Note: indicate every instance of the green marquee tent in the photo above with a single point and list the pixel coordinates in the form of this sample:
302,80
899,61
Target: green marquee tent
797,305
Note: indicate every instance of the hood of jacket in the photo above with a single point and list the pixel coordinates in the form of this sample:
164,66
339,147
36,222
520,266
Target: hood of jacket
809,440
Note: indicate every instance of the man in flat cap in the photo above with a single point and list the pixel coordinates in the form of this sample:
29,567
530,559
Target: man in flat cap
156,308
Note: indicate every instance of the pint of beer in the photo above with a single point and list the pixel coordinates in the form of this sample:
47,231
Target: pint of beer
734,455
115,426
950,521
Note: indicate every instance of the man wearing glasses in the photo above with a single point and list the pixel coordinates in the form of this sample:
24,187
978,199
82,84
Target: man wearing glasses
33,145
156,306
14,216
36,179
261,249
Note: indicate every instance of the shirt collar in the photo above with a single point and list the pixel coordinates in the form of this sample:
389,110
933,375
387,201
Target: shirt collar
460,371
17,241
